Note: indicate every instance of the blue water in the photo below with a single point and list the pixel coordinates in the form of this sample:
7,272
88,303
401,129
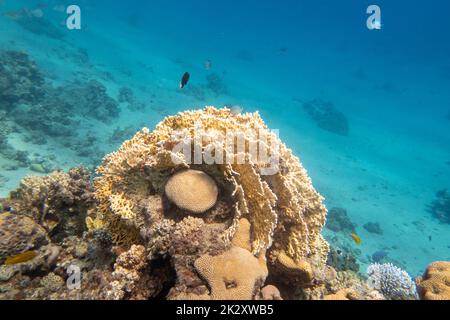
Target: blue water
392,85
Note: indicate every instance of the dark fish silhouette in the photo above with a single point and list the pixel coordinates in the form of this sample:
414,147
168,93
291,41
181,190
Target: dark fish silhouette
184,80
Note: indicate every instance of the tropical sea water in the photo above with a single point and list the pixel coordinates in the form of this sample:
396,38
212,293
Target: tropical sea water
392,85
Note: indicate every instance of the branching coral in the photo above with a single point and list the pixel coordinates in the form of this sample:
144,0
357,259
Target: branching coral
127,273
284,213
435,283
393,282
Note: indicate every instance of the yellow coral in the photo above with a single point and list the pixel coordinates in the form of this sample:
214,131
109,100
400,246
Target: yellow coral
122,207
242,237
283,207
302,268
435,283
192,190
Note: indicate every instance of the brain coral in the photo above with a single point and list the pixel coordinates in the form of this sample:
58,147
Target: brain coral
192,190
435,283
233,275
284,213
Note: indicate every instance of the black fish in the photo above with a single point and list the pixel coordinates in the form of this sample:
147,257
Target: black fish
184,80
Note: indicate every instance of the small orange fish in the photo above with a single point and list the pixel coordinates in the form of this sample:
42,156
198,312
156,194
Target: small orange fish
357,239
21,258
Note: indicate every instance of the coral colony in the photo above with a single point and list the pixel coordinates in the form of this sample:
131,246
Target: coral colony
149,228
390,280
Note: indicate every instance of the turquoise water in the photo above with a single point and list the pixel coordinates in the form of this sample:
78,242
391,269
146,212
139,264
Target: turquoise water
391,85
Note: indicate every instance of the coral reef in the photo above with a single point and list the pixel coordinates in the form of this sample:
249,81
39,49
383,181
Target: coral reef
36,112
59,202
393,282
339,221
20,79
440,208
327,117
89,99
435,283
285,213
250,235
57,113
